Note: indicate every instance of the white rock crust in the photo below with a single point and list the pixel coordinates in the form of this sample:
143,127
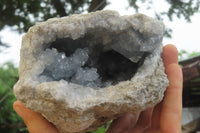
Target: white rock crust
75,108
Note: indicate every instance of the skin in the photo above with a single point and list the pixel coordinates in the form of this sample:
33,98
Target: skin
165,117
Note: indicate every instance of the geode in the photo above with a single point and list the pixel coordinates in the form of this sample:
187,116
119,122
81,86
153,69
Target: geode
82,71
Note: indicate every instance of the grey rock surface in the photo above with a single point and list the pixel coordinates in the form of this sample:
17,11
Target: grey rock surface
117,69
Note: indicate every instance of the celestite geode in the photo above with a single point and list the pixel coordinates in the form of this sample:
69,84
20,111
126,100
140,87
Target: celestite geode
82,71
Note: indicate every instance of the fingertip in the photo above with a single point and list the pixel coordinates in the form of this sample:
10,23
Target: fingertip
170,54
23,111
16,103
33,120
171,47
18,107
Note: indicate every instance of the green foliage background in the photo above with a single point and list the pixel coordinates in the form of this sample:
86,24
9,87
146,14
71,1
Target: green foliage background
183,54
10,122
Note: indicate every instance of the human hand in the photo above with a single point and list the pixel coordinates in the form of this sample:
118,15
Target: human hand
163,118
33,120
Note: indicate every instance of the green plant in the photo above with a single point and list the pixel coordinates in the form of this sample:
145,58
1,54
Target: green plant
102,129
10,122
183,54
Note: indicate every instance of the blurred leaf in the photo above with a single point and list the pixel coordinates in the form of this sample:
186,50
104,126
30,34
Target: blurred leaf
194,54
102,129
183,54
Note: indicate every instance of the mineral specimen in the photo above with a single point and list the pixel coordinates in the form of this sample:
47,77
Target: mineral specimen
82,71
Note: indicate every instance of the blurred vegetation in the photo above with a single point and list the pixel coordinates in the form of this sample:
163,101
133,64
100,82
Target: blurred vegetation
24,13
10,122
177,8
102,129
183,54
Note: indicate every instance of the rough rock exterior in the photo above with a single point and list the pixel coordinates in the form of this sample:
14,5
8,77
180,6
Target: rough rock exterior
77,108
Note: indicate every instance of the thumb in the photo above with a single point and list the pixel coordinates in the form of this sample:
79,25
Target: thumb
34,121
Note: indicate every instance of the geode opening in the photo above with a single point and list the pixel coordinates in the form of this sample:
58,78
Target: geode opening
93,66
64,61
